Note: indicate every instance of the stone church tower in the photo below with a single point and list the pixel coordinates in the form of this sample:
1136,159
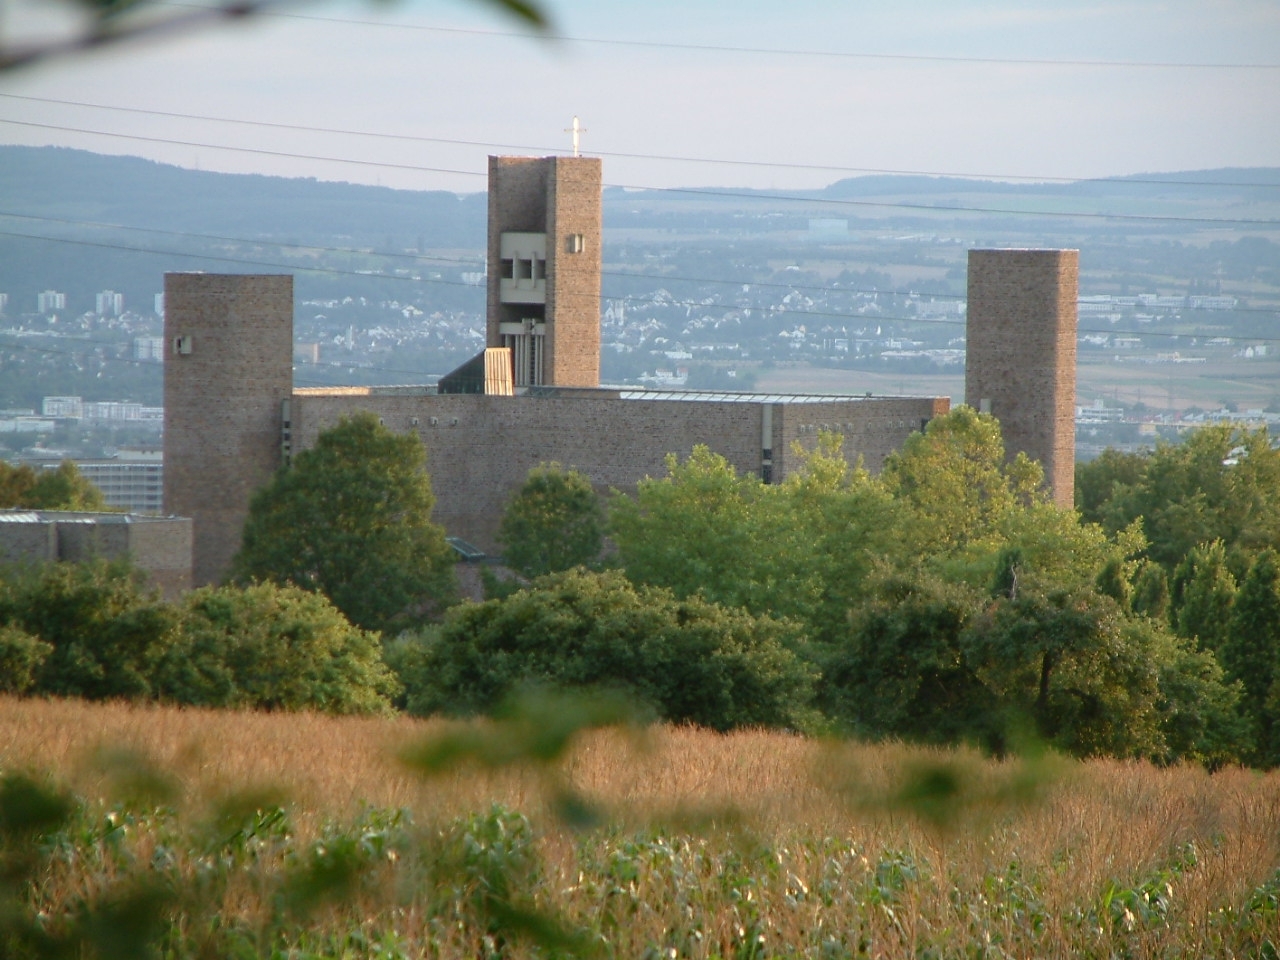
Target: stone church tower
545,234
228,375
1021,354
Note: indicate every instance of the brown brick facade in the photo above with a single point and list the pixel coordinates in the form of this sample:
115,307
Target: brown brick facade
228,376
561,197
228,368
1021,354
479,449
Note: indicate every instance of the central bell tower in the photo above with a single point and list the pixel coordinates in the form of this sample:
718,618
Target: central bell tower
544,268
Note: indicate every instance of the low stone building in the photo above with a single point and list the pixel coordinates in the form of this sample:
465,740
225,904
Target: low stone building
159,546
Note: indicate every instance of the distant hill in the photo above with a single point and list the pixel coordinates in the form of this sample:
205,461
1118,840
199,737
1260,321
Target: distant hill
169,218
76,184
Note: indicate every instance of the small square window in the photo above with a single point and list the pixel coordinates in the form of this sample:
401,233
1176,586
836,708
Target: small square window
574,243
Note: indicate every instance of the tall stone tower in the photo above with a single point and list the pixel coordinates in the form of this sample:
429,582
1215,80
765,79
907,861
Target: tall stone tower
1021,354
227,373
544,268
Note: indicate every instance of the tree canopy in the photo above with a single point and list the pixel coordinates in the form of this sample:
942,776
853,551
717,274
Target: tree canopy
272,648
1221,483
351,518
553,522
65,488
689,660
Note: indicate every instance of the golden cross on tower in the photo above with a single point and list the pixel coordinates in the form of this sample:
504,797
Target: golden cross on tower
575,130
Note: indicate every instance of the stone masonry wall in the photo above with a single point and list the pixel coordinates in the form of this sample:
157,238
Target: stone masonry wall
573,278
479,449
222,402
159,546
1021,354
34,541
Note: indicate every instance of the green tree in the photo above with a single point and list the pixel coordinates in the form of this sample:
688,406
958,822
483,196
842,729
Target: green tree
1208,591
62,489
21,657
273,648
15,484
553,522
1251,653
1199,708
798,550
1151,592
1073,664
956,482
351,518
1106,478
1220,483
690,660
902,671
106,631
693,531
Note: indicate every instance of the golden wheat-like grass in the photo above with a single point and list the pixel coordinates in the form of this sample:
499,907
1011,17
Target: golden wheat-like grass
1076,828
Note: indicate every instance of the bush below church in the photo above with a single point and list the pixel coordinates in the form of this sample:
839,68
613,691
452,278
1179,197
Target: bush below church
92,630
690,660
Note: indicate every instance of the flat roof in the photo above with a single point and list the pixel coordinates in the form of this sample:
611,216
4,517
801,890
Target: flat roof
715,397
621,393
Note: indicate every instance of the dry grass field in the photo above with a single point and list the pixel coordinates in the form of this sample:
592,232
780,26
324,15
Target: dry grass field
748,845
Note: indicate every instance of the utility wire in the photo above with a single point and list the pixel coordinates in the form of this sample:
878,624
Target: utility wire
773,51
835,168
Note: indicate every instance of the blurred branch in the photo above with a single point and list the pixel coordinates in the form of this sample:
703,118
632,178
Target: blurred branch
116,21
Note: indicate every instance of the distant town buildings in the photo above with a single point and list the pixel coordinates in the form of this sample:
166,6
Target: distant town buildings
75,408
132,481
149,348
109,303
50,300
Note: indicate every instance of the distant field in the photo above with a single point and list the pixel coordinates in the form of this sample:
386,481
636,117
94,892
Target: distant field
749,845
1248,384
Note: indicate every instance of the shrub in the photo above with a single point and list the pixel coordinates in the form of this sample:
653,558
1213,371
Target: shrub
691,660
105,632
21,656
274,648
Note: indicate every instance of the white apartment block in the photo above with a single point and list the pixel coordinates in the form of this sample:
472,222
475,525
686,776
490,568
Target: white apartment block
148,348
62,408
50,300
110,304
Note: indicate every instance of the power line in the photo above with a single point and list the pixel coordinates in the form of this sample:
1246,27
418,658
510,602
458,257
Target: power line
835,168
691,191
779,51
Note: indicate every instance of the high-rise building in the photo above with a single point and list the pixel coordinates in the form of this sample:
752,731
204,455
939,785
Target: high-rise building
109,304
50,300
148,348
1021,354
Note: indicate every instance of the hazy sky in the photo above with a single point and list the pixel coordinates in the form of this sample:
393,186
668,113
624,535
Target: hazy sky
1056,88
